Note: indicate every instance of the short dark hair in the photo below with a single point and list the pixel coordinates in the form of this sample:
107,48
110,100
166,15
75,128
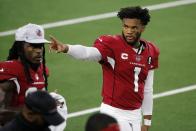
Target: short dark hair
99,121
135,12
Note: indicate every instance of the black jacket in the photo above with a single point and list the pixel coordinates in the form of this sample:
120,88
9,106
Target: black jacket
20,124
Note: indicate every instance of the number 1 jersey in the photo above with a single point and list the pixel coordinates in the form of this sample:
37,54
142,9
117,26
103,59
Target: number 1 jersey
125,70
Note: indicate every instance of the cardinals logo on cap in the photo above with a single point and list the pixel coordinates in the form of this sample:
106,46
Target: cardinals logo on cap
39,33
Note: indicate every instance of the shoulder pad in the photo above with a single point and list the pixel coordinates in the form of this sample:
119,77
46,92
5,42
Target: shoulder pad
10,68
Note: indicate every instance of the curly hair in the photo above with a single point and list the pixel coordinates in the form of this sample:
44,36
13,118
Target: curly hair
17,51
135,12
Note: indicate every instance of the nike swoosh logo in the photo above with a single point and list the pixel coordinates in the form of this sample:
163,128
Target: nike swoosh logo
1,70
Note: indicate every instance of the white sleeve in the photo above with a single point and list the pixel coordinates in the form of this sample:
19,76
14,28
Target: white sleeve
84,53
147,105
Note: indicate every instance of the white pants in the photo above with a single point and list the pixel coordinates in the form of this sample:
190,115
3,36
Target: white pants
129,120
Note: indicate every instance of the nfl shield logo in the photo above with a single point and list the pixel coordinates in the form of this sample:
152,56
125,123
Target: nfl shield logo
36,77
138,58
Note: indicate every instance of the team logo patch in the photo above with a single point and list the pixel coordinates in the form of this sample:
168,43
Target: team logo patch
124,56
138,58
39,33
36,77
1,70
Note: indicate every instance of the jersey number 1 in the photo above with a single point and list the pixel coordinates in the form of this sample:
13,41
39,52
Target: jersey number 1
136,78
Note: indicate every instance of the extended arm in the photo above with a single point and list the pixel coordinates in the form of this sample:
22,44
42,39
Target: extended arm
147,105
76,51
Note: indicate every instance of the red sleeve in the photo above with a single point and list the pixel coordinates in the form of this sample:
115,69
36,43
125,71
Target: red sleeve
8,70
154,51
103,44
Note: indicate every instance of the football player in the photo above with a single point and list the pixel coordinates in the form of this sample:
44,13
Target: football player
25,69
128,63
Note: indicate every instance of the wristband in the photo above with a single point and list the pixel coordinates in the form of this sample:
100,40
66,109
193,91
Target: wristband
147,122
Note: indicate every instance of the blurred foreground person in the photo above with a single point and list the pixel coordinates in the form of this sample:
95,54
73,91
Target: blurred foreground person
101,122
24,71
38,113
62,109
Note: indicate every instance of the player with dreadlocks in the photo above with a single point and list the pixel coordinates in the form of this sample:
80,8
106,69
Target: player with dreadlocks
17,52
25,69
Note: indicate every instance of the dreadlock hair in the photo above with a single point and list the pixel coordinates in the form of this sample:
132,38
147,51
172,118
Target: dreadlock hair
44,68
17,51
135,12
